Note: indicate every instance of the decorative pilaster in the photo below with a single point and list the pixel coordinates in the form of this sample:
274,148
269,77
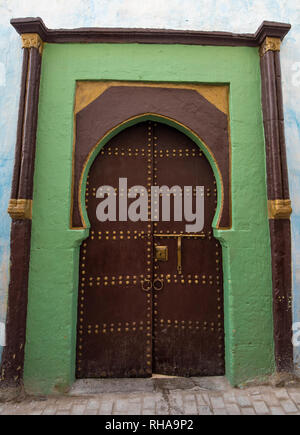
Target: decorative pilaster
279,204
20,210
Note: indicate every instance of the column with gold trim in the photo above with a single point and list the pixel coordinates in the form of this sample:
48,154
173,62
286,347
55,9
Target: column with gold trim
20,210
279,204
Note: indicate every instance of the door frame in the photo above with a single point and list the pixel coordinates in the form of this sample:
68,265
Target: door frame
216,50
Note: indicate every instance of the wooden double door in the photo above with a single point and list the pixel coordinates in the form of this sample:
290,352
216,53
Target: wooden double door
150,293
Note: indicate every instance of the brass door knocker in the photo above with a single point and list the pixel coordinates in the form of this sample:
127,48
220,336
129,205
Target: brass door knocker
146,285
158,284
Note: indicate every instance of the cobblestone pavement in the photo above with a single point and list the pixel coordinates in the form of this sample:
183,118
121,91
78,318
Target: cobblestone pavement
162,396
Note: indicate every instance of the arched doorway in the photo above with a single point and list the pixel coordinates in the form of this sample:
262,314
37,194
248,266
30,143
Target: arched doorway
150,291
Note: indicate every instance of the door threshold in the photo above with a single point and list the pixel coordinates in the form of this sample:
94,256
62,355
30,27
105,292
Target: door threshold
90,387
158,376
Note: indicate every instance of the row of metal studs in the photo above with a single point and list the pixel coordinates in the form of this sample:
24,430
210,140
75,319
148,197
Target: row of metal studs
137,328
149,249
186,194
163,152
134,234
201,323
133,280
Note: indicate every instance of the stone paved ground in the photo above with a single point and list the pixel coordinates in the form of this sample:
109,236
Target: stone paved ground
162,396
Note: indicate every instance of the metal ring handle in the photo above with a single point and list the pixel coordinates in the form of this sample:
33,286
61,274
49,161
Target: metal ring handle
161,284
146,289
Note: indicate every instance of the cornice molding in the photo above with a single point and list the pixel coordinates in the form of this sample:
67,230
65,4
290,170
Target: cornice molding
149,36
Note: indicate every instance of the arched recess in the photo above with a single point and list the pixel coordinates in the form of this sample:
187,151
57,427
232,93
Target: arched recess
186,110
164,120
100,259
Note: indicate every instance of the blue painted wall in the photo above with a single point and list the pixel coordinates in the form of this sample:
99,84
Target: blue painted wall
226,15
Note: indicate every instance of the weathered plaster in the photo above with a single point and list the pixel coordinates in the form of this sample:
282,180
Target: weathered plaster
227,15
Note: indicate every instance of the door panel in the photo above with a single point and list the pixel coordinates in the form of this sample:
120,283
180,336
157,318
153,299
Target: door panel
114,314
188,313
175,328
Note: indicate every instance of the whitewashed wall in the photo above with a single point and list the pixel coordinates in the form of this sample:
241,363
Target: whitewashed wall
224,15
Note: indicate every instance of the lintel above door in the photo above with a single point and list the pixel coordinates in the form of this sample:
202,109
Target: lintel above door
150,36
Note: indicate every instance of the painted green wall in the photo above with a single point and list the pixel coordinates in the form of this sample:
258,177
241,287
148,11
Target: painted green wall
51,325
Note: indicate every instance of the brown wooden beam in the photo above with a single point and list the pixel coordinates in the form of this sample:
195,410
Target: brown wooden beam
149,36
12,364
279,204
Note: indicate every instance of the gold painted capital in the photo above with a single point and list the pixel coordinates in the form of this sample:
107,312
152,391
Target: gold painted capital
270,44
30,40
279,209
20,208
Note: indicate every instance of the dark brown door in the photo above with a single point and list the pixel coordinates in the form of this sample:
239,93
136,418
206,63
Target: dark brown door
150,293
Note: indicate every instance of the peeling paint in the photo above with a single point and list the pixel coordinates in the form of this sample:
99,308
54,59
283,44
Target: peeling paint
2,334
